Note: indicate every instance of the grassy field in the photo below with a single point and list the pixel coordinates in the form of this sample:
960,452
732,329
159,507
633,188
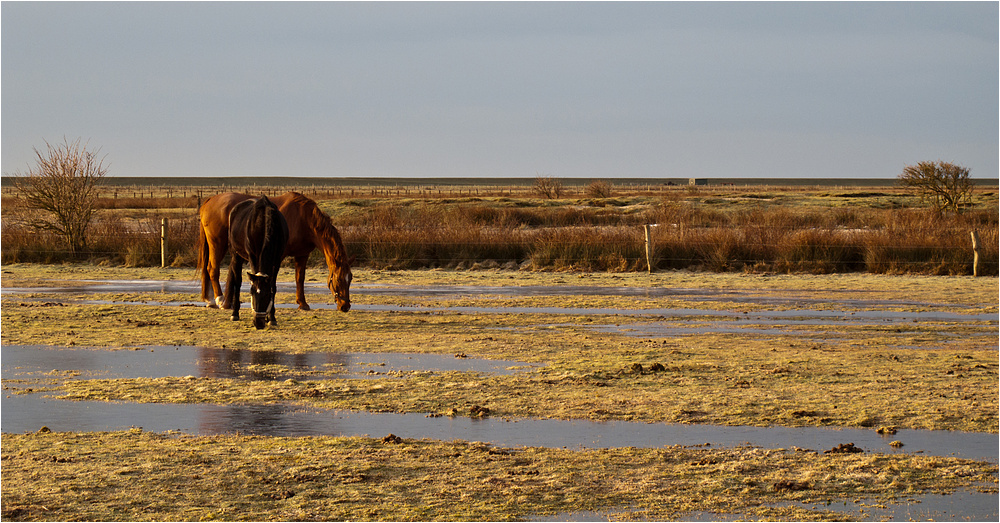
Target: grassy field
804,248
141,476
843,376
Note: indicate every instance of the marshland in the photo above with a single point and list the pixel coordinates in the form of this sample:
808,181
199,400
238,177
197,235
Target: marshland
812,308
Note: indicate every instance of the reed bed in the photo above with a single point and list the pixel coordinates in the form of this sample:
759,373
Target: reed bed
597,234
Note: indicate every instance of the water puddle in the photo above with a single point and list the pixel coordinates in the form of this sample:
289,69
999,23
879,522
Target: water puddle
775,318
28,412
760,297
34,361
962,505
724,327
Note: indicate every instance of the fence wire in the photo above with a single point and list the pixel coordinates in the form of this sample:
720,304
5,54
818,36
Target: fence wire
621,247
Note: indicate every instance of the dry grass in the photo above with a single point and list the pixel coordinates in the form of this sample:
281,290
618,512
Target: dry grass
140,476
837,375
843,374
782,230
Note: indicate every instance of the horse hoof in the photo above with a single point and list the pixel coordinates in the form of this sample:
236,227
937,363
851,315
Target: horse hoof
219,302
235,318
304,307
212,305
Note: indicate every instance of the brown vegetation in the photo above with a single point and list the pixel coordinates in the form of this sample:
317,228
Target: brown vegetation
701,229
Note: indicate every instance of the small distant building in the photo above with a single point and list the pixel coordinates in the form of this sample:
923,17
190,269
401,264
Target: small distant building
697,181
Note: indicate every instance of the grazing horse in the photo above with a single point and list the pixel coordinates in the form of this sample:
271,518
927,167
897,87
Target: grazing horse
308,228
258,234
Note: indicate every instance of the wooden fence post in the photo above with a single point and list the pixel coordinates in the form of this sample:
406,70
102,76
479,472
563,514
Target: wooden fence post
163,243
975,253
649,250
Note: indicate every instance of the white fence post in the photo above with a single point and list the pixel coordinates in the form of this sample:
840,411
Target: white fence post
975,253
649,250
163,243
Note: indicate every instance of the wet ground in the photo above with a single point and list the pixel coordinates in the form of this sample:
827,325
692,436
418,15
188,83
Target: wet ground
29,412
442,291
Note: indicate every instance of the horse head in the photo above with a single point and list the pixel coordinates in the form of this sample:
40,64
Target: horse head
340,284
261,298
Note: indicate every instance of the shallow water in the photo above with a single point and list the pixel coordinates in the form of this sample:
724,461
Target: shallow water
963,505
33,361
763,297
28,412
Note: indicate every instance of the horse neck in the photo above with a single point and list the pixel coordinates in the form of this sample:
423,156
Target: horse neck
273,247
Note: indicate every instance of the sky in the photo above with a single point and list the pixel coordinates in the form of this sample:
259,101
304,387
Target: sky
455,89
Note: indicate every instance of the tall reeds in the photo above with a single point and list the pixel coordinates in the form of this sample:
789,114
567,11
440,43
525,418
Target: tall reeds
594,235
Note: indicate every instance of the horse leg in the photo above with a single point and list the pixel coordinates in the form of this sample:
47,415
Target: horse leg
274,292
233,281
300,282
216,251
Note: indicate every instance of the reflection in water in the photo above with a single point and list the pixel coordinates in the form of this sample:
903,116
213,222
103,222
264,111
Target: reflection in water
29,412
34,361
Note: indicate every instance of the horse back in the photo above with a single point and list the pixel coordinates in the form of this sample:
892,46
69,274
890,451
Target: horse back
298,211
214,213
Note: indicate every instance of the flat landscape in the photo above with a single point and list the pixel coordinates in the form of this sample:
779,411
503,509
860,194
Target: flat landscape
900,355
522,383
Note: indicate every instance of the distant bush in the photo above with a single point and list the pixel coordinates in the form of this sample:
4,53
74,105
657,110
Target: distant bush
599,189
946,185
548,187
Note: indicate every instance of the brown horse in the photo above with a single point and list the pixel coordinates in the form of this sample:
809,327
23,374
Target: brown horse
308,228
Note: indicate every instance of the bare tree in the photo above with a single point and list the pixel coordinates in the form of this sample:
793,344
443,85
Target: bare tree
548,187
945,184
63,185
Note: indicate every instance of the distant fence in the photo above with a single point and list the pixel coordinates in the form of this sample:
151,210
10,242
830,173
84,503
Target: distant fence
429,189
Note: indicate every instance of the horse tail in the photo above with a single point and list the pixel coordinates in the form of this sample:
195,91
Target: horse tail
206,283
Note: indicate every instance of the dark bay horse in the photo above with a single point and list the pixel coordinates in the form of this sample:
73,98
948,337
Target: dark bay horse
308,228
258,235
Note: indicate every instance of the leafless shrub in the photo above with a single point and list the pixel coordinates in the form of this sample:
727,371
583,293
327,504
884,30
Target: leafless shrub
548,187
63,185
945,184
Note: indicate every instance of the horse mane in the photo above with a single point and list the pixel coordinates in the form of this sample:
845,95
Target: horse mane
322,225
274,244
